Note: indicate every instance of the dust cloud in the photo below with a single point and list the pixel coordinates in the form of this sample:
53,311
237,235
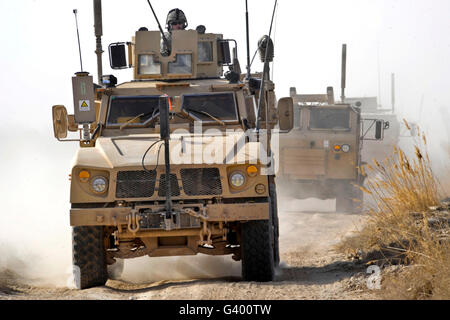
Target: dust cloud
35,240
435,125
146,269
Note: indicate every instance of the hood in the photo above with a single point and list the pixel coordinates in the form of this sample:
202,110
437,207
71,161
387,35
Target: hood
128,151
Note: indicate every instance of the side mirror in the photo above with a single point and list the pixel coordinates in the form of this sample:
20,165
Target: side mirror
117,55
60,122
379,127
286,113
164,117
223,52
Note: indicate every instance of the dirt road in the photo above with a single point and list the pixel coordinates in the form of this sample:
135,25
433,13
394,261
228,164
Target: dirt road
309,269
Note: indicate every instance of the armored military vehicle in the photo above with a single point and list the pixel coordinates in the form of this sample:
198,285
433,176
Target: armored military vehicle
170,162
321,156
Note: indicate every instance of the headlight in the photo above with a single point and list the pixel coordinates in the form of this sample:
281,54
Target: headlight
99,184
237,179
345,148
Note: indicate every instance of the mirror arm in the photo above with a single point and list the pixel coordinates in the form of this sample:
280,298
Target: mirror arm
96,131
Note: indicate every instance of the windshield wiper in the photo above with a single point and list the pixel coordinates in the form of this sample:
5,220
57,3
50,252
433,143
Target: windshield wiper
206,114
131,120
137,117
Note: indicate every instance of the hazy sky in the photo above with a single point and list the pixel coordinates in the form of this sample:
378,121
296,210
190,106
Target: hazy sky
407,37
39,55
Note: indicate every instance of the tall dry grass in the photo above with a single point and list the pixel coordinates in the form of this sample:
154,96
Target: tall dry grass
401,225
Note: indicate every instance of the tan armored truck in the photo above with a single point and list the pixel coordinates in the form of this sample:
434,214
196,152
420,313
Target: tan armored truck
320,156
170,162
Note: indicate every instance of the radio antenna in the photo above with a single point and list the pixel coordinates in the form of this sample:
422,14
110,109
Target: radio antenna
166,42
75,11
265,68
248,40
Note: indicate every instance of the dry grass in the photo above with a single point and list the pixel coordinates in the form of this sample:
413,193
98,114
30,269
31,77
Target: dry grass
402,228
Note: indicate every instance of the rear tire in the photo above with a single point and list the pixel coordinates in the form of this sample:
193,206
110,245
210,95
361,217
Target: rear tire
257,251
89,257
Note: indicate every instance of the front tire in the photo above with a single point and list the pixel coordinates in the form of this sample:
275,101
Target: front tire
257,251
89,257
275,221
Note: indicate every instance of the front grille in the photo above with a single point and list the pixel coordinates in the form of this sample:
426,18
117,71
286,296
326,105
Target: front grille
195,182
135,184
174,188
202,181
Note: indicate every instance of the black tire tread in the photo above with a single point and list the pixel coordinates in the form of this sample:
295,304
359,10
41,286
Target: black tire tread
257,251
88,254
275,221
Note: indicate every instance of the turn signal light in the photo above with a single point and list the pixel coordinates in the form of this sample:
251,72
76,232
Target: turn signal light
252,171
84,176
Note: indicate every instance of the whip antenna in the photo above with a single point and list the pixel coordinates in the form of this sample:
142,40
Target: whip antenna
266,65
166,42
75,11
248,41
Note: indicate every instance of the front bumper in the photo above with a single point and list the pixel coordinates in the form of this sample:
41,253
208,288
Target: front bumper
211,213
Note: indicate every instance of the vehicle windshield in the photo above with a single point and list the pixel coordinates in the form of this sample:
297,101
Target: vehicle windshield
202,106
137,110
329,118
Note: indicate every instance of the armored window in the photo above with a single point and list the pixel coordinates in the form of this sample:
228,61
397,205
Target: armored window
137,110
206,107
182,64
147,64
333,119
297,116
205,52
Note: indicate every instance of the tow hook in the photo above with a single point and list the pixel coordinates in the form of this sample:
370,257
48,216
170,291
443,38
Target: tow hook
133,221
205,231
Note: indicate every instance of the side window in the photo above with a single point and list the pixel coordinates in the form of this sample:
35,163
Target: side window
297,116
147,64
182,64
205,52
